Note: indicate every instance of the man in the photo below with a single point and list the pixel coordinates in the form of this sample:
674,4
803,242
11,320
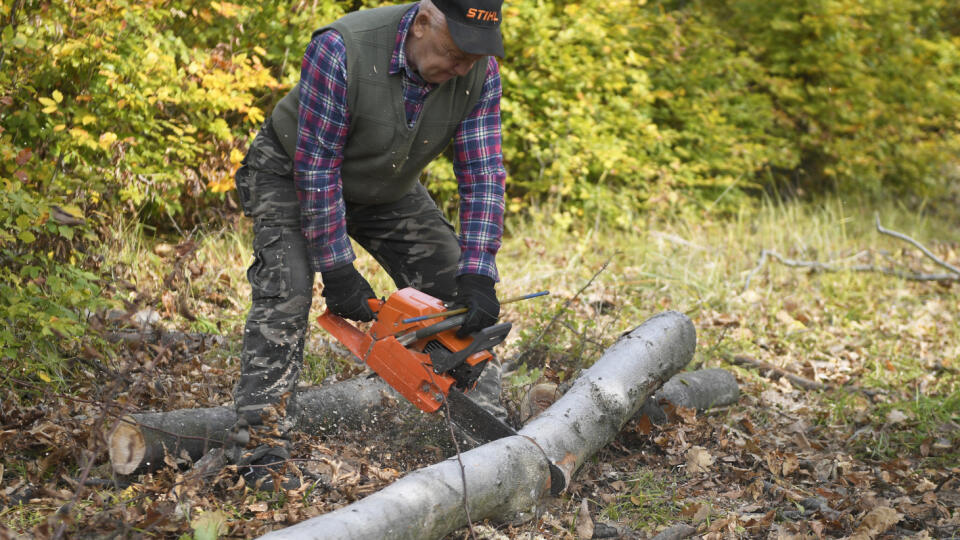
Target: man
382,93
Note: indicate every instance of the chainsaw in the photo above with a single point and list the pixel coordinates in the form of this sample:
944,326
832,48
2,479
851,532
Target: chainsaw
424,360
427,363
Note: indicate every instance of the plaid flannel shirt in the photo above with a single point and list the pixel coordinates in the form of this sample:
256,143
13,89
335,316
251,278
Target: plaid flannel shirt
324,121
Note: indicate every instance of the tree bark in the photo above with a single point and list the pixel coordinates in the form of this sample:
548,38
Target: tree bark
505,479
141,440
698,390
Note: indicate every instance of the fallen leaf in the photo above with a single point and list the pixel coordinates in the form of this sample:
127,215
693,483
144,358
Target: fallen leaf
257,506
699,460
896,417
925,485
209,525
876,522
163,249
790,464
644,425
789,322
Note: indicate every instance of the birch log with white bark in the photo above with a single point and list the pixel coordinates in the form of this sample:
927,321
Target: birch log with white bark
507,478
700,390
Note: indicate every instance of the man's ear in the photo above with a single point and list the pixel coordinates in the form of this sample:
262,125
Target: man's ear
420,24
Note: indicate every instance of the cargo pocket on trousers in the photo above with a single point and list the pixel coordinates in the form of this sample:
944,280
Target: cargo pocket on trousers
269,276
242,180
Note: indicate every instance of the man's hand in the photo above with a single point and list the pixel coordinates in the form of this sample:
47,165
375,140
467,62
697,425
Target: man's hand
347,292
476,293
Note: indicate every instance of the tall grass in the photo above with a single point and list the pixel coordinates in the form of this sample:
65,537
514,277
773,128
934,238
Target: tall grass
869,329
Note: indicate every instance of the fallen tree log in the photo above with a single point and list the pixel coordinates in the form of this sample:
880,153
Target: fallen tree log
507,478
700,390
141,440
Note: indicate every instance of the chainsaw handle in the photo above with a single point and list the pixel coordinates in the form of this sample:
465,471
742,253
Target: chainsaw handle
427,331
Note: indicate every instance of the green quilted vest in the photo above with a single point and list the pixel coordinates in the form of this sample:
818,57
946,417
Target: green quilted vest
383,156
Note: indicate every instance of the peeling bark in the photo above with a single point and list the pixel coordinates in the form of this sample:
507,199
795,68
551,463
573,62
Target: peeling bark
506,479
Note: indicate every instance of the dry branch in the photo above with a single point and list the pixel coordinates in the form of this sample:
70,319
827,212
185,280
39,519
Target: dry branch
508,477
954,274
940,262
795,379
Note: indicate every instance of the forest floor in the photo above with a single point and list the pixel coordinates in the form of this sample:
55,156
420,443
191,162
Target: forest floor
870,450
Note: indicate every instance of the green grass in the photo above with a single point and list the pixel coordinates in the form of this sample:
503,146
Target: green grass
868,329
648,499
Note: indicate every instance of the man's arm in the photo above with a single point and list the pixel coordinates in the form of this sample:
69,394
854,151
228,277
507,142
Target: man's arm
478,165
324,121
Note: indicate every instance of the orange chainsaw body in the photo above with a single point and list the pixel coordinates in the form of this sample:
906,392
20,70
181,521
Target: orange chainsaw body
406,368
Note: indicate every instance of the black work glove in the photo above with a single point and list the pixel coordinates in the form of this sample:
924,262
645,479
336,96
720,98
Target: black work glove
346,292
476,293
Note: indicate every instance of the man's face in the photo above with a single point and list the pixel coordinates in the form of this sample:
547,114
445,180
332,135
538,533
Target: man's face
435,56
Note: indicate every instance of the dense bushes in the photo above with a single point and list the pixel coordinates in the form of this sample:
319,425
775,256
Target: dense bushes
664,103
611,108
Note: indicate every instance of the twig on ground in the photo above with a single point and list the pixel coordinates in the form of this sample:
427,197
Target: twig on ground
954,274
569,301
940,262
797,380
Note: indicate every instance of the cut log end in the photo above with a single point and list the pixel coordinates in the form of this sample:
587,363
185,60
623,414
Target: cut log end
127,446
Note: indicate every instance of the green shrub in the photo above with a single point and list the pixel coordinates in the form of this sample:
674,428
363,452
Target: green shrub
865,91
45,292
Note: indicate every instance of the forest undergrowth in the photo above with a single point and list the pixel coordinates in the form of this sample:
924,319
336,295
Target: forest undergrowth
863,438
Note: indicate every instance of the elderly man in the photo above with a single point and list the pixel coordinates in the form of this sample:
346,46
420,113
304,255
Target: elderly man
382,93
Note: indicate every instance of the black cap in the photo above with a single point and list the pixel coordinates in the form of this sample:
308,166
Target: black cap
474,25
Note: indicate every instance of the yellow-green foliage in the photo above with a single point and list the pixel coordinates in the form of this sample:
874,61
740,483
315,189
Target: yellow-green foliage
668,101
120,106
865,91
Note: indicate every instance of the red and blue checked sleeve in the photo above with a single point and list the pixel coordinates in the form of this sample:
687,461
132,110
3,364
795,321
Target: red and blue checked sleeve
478,166
324,122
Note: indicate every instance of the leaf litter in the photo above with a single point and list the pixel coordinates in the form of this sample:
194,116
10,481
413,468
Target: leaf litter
782,463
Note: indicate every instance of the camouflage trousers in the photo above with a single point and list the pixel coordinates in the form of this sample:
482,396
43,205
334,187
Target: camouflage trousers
410,238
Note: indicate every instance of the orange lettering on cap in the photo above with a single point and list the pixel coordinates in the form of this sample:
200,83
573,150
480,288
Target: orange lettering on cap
482,14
